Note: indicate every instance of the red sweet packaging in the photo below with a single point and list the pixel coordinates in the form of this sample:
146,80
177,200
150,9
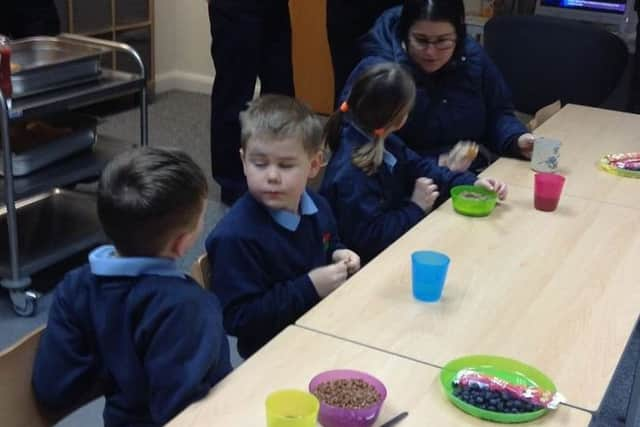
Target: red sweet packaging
536,396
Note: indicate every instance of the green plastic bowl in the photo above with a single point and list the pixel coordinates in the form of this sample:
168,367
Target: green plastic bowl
509,370
473,201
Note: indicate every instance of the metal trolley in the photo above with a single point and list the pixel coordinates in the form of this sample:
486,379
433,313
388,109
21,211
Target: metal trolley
44,223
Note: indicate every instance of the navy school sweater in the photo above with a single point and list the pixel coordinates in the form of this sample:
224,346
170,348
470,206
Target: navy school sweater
373,211
154,341
259,268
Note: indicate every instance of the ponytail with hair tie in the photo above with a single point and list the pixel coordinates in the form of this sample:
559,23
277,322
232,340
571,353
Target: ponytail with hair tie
331,133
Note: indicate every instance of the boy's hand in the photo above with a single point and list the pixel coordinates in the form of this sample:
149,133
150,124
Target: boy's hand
328,278
425,193
351,258
493,185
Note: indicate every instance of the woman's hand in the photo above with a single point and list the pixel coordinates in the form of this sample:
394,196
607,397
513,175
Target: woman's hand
525,144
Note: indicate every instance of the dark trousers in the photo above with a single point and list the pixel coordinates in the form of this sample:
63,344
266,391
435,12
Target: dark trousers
251,39
347,21
26,18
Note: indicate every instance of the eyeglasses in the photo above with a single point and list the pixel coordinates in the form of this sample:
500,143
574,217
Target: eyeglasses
441,43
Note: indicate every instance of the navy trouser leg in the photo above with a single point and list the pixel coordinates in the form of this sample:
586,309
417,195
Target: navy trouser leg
347,21
235,50
250,39
343,30
275,69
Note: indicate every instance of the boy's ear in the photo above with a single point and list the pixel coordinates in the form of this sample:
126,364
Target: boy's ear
317,160
181,244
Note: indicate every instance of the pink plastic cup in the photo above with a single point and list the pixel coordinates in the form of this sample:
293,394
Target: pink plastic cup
332,416
547,190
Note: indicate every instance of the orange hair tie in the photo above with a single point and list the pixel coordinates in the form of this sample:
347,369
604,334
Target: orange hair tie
378,132
344,107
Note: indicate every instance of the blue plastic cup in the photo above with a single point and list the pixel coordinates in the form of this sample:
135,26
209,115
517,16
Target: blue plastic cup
428,273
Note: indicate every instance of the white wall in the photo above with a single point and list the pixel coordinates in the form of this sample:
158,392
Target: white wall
165,42
470,6
182,50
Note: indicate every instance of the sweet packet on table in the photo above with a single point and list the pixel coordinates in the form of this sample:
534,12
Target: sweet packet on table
629,161
534,395
622,164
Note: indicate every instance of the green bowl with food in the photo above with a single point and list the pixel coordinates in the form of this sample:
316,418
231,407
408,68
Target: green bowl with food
470,200
509,370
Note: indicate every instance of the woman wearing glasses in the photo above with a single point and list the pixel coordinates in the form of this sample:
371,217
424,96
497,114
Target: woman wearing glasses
461,95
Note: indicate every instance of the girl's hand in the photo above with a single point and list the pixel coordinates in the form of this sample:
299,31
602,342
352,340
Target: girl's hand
425,193
493,185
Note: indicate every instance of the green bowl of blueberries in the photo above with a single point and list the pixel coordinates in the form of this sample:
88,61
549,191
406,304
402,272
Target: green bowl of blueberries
495,406
470,200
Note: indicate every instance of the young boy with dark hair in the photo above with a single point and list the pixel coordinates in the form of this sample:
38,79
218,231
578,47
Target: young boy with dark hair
276,252
129,320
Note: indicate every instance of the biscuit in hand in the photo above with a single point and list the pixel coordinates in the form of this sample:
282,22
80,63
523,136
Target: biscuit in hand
471,151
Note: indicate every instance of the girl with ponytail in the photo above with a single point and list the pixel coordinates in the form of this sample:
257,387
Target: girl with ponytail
377,186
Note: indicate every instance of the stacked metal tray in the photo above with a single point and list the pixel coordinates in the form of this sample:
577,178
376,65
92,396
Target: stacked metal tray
49,63
53,139
53,225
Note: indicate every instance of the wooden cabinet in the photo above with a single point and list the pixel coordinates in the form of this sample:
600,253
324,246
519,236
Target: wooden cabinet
312,70
126,21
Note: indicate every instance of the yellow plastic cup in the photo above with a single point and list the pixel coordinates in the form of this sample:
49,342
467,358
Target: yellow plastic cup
292,408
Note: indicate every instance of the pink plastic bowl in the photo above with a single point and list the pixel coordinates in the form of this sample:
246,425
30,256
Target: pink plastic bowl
332,416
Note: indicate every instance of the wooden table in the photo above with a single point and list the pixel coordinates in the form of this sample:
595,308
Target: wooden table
556,290
586,134
296,355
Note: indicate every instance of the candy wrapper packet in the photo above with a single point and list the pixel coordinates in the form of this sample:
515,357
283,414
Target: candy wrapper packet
629,161
534,395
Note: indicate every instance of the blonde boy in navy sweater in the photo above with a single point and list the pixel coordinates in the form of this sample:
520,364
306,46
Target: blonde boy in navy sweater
276,253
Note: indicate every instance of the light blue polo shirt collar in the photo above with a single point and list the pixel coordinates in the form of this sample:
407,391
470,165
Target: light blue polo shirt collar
389,159
104,261
290,220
